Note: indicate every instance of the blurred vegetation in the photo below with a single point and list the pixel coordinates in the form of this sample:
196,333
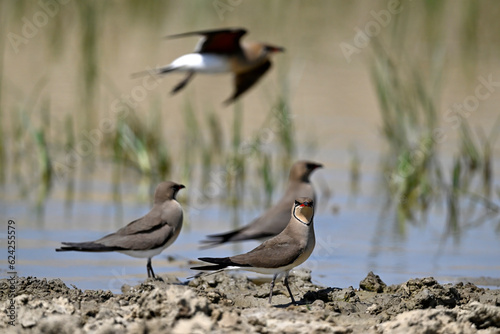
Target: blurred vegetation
135,140
408,87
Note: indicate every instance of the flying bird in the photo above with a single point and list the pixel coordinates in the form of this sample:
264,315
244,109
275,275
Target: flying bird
276,218
145,237
220,51
280,254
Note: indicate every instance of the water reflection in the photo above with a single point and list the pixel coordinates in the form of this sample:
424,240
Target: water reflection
81,152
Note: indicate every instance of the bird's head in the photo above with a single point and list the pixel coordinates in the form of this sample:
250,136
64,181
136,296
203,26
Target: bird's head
167,191
303,210
301,170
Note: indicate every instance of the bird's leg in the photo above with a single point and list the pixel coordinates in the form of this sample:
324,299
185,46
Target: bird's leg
150,269
288,288
183,83
272,287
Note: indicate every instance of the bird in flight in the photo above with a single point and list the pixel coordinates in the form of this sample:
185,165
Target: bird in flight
222,51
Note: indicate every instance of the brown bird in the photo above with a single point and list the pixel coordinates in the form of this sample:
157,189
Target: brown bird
276,218
280,254
145,237
221,51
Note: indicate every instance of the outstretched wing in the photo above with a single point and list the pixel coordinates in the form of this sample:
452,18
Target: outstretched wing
221,41
244,81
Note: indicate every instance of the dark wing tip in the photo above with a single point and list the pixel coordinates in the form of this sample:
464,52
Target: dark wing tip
221,238
229,101
246,80
239,31
87,247
218,263
210,267
215,260
66,248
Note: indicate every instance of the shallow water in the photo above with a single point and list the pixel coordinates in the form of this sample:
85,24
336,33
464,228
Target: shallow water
346,249
334,109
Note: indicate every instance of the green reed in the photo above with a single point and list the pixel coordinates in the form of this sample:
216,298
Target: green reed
476,151
409,118
408,90
192,141
90,27
142,146
236,159
282,117
267,178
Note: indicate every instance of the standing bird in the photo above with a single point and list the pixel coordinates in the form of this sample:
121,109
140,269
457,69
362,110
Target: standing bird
277,255
276,218
145,237
221,51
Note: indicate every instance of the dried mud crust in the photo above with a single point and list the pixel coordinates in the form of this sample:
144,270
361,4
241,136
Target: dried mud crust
226,303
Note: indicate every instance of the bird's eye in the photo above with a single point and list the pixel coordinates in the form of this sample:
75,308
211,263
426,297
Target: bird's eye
297,203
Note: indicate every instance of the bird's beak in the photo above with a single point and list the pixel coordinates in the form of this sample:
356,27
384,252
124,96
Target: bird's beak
276,49
314,166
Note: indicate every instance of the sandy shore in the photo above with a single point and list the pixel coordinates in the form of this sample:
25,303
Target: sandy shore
229,303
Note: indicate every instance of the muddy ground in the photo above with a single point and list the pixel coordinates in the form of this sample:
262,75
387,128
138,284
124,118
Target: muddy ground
230,303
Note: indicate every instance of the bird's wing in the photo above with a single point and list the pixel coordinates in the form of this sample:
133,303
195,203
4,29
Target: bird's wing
153,238
279,251
220,263
276,218
150,221
220,41
270,223
149,232
89,246
245,80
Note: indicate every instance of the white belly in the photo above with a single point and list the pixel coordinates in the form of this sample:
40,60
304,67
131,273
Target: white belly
204,63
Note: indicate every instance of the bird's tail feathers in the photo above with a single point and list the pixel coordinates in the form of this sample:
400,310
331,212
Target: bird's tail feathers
86,247
152,71
219,263
216,239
